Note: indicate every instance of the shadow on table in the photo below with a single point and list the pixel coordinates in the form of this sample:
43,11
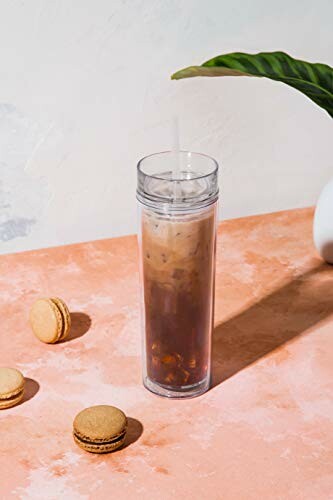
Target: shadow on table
327,251
134,431
81,323
31,387
271,322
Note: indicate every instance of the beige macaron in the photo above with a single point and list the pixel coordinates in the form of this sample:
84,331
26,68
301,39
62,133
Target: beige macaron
50,320
11,387
100,429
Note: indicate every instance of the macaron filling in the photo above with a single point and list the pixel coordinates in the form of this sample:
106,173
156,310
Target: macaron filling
62,319
13,396
99,443
65,318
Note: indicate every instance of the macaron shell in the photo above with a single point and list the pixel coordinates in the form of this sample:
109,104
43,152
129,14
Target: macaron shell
99,448
11,382
46,321
100,423
62,307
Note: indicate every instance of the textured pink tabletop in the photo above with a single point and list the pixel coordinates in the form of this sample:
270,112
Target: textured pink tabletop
264,431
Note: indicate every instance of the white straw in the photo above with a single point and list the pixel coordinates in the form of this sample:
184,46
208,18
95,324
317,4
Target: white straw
176,150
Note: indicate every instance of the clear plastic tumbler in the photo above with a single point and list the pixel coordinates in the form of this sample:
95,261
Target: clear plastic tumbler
177,194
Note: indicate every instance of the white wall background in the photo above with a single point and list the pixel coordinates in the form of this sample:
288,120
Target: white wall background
85,92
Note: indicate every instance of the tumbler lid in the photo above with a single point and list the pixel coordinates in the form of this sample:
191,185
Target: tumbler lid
177,180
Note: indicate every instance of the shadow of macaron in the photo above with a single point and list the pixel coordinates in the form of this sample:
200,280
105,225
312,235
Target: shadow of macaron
134,431
31,387
80,324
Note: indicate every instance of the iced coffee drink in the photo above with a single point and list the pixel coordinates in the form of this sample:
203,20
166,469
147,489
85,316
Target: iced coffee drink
177,250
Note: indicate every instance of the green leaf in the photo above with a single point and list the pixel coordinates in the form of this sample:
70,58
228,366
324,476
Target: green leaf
315,80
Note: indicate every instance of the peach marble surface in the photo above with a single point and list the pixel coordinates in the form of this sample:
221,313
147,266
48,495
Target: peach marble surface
264,430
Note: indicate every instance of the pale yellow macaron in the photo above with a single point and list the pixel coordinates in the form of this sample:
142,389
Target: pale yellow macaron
11,387
50,320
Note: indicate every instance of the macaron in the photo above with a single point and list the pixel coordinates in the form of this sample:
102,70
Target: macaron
11,387
50,320
100,429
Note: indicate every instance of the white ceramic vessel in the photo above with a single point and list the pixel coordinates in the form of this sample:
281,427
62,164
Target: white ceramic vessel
323,223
